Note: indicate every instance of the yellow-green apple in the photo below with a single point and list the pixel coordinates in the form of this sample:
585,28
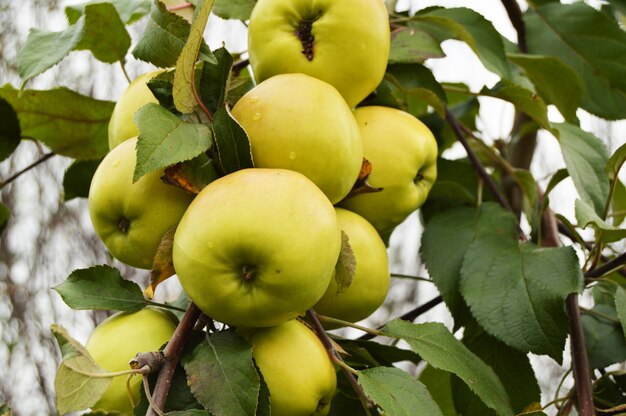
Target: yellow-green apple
131,218
300,123
257,247
183,8
371,278
403,153
116,341
295,365
122,124
345,43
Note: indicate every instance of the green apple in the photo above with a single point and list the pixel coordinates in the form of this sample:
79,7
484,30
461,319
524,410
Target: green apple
370,283
131,218
116,341
403,153
345,43
300,123
257,247
295,365
122,124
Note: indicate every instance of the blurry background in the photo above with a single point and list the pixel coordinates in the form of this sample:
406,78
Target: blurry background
46,239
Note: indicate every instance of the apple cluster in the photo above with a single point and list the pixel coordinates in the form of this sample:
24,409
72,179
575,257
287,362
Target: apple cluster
257,248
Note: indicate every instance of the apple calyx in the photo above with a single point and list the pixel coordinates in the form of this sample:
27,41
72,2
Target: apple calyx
304,32
418,177
248,272
123,225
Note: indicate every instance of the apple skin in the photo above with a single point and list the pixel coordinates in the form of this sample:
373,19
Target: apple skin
295,365
131,218
257,247
116,341
122,124
350,45
300,123
403,153
370,283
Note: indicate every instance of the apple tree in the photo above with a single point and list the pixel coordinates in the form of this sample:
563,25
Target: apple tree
509,267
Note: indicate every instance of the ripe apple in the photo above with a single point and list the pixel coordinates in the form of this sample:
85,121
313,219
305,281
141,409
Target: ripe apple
257,247
370,283
300,123
403,153
122,124
295,365
116,341
345,43
131,218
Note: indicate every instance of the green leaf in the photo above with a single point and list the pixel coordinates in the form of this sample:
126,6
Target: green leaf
618,203
470,27
616,161
592,44
129,10
373,354
620,307
233,145
523,99
10,132
70,124
346,264
397,393
439,348
164,37
101,287
222,375
4,216
192,175
585,216
416,82
543,71
184,97
79,382
410,45
516,291
77,178
165,139
604,337
214,81
585,158
438,384
234,9
5,410
99,30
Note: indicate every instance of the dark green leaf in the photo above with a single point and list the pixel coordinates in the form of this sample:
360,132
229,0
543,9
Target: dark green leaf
604,337
516,291
233,9
192,175
5,410
438,384
416,82
165,139
214,82
99,30
523,99
4,216
585,158
345,402
592,44
544,71
69,123
397,393
618,203
470,27
77,179
233,145
373,354
585,215
101,287
410,45
128,10
10,132
222,375
439,348
240,83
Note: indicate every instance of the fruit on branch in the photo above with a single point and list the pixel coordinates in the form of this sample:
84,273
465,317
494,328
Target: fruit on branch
131,218
370,283
116,341
257,247
300,123
345,43
295,365
403,153
122,125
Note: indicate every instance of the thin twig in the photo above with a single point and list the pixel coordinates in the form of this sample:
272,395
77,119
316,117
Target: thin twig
238,66
172,352
515,16
613,264
335,357
26,169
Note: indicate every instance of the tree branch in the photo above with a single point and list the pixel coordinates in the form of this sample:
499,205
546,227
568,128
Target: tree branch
171,353
26,169
515,16
610,265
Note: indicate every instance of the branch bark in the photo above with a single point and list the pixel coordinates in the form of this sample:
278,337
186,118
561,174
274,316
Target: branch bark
26,169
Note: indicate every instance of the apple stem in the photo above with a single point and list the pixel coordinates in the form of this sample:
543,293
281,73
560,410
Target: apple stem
171,354
349,372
